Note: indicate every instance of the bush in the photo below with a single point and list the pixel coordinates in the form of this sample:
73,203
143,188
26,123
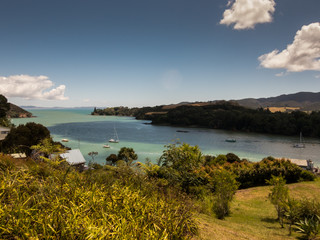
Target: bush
225,186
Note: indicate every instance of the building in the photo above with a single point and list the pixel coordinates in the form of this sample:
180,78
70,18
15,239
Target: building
4,131
74,158
304,164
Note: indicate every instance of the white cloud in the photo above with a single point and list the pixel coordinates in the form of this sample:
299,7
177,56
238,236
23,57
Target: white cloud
245,14
281,74
31,87
303,54
172,79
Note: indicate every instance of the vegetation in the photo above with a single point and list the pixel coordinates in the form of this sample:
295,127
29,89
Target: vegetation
21,138
4,108
45,198
45,201
226,115
115,111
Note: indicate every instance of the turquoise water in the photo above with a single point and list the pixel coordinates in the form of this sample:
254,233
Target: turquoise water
90,133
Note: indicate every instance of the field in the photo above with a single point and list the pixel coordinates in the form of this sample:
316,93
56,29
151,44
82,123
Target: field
253,216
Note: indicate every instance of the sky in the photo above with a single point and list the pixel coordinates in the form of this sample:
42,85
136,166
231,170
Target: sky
104,53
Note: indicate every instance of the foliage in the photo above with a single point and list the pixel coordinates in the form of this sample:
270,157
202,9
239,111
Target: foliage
4,106
231,116
182,158
225,186
115,111
96,204
21,138
127,154
45,148
292,212
92,155
279,196
113,158
310,227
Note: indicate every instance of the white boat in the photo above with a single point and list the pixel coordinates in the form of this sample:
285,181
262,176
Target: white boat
300,144
65,140
106,146
115,139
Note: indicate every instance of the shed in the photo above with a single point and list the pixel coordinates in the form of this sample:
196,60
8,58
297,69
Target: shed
73,157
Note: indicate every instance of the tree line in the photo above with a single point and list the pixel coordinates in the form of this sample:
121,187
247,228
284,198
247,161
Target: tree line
228,116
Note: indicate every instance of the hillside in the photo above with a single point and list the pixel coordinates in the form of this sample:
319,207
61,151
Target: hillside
304,101
253,216
18,112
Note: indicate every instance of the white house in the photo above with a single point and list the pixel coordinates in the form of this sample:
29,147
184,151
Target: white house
73,157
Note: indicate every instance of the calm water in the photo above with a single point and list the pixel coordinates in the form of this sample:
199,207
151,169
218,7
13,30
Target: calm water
90,133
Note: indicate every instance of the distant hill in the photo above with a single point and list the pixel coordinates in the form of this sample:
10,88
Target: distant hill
304,101
18,112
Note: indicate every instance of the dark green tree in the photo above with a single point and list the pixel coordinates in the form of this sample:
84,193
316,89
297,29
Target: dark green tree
127,154
21,138
113,158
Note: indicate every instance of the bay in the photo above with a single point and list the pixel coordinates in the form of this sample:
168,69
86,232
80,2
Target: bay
90,133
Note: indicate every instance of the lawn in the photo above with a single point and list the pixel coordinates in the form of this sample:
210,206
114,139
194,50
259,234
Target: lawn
253,216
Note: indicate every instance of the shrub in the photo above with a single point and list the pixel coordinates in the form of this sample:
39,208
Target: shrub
225,186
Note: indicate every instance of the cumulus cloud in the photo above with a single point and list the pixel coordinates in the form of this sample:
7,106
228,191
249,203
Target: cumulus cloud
31,87
303,54
245,14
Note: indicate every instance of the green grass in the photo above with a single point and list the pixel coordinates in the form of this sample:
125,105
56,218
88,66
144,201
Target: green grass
253,216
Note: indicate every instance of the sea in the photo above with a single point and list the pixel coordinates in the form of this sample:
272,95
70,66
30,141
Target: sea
90,133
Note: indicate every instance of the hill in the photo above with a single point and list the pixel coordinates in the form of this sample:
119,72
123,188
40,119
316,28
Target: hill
18,112
304,101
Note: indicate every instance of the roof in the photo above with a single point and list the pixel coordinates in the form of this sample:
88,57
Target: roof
18,155
73,157
299,162
4,128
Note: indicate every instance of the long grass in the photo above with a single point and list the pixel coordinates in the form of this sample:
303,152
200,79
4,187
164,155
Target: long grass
39,201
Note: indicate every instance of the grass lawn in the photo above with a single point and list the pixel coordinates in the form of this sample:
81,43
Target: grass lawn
253,216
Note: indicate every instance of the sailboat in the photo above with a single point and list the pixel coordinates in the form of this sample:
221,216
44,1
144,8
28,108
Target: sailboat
300,144
115,139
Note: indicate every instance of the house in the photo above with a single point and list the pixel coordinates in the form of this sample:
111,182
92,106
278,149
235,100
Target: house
74,157
304,164
4,131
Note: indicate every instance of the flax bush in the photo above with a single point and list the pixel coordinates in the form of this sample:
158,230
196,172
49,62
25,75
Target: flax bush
66,204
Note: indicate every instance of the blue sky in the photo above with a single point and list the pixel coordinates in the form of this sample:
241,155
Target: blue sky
147,52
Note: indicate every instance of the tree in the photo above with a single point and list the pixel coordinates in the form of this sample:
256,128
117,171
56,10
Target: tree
46,147
4,106
113,158
292,213
182,158
279,196
21,138
92,155
225,186
127,154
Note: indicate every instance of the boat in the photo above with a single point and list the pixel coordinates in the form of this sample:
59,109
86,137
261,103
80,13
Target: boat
65,140
231,140
115,139
182,131
300,144
106,146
